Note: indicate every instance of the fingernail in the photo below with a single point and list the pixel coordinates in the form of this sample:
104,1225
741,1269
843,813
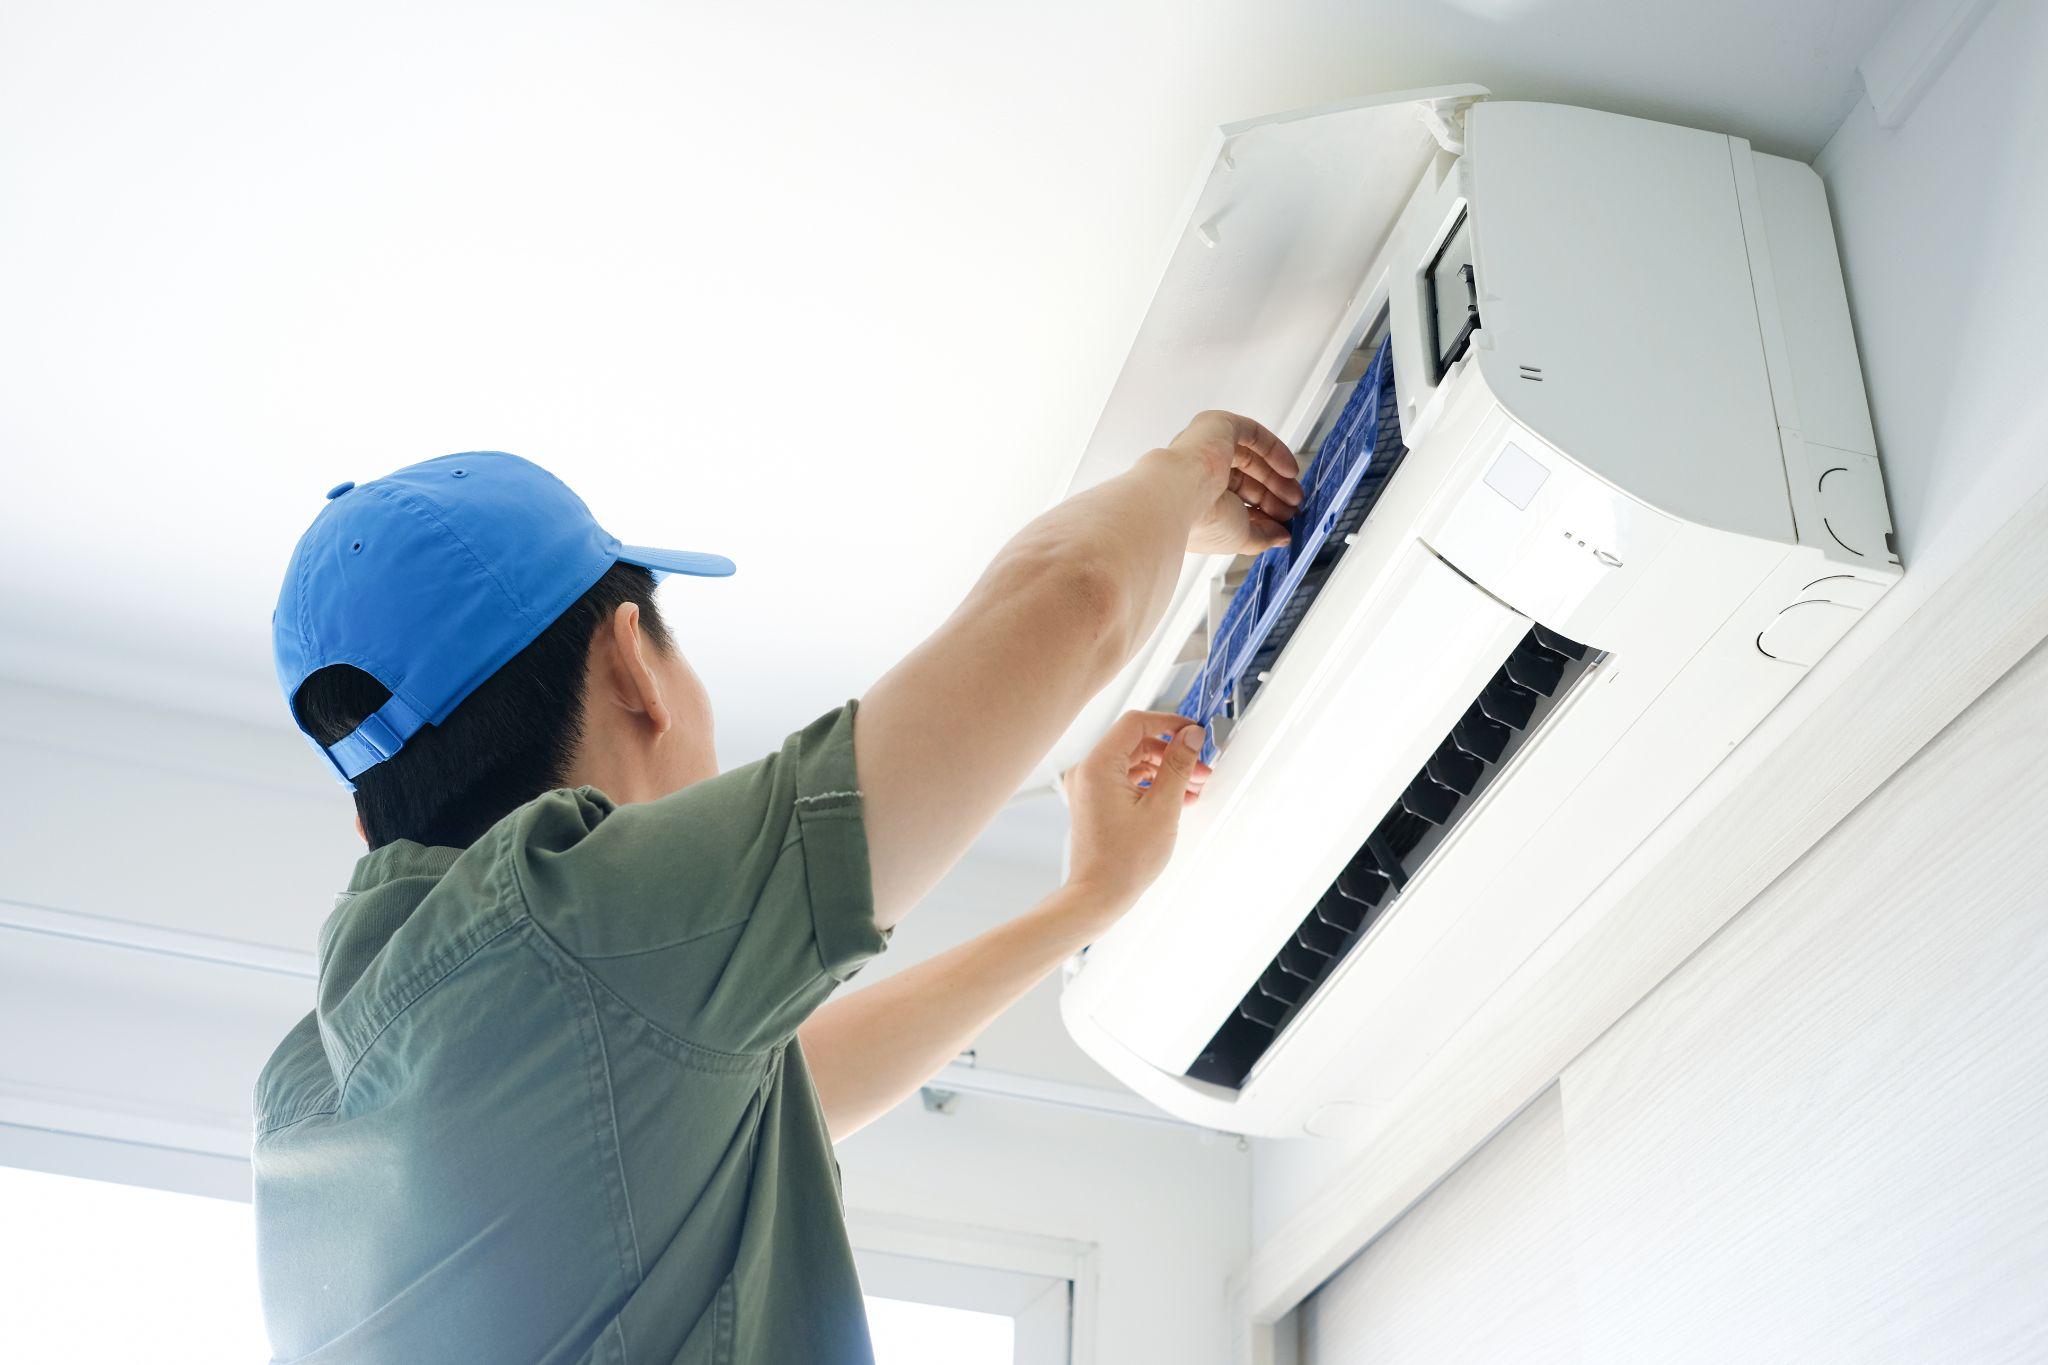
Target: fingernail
1192,737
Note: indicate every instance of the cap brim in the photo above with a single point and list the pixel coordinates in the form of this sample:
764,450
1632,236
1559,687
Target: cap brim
662,563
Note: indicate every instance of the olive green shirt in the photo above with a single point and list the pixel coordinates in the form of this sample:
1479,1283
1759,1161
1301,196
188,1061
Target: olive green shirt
549,1108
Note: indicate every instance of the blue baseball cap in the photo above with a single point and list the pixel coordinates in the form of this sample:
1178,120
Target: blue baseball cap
431,579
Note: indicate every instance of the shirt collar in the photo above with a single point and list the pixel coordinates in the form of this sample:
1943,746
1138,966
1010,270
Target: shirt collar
401,858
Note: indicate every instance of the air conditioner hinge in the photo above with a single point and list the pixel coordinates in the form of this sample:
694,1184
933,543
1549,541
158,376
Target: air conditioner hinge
1445,120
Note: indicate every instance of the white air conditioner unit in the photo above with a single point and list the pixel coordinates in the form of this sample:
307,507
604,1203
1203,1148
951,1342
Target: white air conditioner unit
1617,493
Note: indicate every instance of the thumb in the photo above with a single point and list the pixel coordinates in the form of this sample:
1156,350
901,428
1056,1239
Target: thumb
1177,767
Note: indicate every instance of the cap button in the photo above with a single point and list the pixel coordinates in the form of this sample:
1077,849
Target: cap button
339,489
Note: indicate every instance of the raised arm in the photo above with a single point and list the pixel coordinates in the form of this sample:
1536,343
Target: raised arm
871,1048
945,737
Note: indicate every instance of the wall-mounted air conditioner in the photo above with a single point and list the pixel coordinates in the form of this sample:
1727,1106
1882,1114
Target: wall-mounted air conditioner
1592,484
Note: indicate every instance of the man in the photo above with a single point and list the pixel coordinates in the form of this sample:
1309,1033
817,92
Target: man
568,1093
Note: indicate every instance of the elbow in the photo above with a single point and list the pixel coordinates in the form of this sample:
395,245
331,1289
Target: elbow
1100,603
1090,600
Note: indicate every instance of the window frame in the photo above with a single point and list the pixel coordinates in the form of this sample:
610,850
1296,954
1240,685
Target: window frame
893,1240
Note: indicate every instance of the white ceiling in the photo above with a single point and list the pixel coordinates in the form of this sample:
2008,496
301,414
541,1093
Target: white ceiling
836,290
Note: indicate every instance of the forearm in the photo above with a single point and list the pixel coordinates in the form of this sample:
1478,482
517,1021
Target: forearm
948,734
1122,544
870,1049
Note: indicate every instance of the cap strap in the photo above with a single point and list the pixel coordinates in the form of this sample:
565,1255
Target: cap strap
383,733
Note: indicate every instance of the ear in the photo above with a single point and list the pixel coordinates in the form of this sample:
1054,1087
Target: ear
622,673
361,833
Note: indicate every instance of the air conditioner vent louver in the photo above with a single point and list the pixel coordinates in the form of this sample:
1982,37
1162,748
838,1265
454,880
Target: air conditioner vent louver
1509,708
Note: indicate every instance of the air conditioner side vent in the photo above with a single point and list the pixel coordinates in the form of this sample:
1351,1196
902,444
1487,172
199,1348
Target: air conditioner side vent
1541,670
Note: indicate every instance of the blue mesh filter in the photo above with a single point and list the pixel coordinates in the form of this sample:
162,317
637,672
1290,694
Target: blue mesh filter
1385,442
1358,454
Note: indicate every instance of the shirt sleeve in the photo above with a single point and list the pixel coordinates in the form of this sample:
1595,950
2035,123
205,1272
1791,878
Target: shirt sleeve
726,912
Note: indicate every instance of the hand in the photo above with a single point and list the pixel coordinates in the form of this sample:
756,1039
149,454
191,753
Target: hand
1122,832
1255,477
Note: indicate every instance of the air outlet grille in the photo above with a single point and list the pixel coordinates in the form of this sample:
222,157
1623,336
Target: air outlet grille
1510,708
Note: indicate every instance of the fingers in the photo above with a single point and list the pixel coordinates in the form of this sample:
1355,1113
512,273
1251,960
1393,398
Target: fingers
1267,532
1250,441
1263,476
1284,490
1262,486
1142,785
1279,503
1264,448
1144,772
1140,748
1133,728
1264,459
1252,448
1177,766
1152,748
1144,762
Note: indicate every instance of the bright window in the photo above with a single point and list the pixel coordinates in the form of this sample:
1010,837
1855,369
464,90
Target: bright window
907,1333
98,1273
104,1274
924,1309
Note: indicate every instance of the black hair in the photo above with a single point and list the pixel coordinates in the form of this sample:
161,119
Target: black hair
507,742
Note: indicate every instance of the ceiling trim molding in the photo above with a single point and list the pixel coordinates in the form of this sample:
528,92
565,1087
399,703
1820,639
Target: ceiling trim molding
160,940
966,1079
1911,52
90,1157
203,1132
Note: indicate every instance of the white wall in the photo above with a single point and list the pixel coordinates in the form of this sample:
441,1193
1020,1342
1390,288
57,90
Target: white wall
162,877
1939,225
1497,1233
1819,1140
1941,228
1165,1207
168,818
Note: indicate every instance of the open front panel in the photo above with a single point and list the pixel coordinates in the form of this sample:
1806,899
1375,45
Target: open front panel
1397,646
1286,215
